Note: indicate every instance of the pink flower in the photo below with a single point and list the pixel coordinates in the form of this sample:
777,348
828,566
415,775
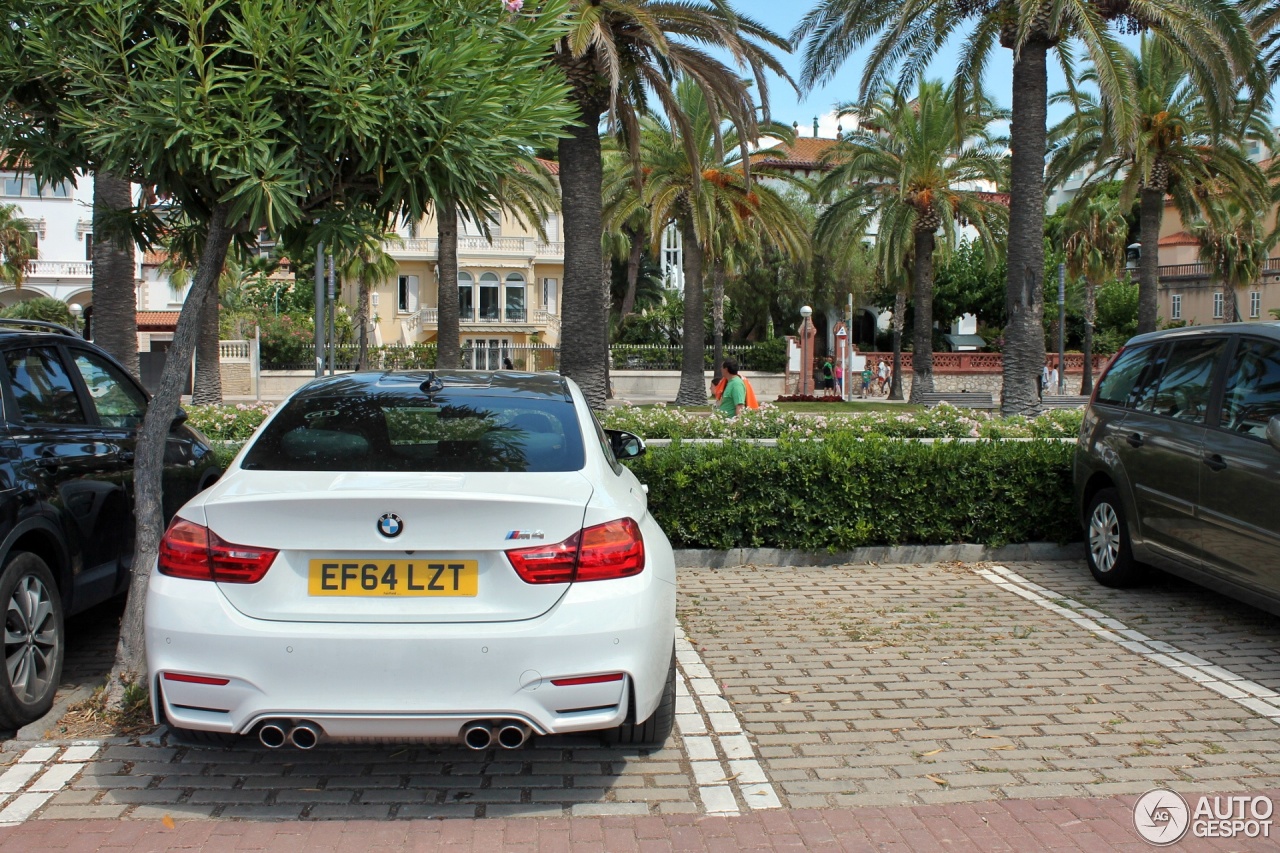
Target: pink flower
514,5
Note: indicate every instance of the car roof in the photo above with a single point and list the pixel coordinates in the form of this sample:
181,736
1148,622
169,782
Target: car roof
483,383
1267,329
11,328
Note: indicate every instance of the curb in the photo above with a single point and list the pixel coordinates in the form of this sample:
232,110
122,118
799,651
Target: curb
890,555
35,731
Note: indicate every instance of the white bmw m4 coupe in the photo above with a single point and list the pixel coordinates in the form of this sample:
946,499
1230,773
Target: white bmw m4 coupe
419,556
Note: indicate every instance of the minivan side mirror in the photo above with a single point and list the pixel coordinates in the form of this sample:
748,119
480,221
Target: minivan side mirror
625,445
1273,431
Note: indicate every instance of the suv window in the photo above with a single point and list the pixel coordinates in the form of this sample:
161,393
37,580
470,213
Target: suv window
1183,390
404,432
118,401
41,387
1123,377
1252,389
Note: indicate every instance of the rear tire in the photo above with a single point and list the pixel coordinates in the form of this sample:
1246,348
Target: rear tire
655,730
1109,552
35,640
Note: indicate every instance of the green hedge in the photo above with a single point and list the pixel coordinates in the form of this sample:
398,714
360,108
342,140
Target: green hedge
843,493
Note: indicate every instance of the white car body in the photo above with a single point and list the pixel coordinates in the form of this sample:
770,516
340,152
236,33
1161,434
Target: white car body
423,668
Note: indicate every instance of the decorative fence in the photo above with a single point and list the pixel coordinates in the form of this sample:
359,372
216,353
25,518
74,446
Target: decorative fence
767,357
980,362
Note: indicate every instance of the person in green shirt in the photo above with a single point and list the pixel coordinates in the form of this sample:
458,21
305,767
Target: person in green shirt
734,399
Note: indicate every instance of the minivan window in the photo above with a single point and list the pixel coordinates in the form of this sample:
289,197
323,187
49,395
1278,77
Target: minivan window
1252,395
1183,390
1120,380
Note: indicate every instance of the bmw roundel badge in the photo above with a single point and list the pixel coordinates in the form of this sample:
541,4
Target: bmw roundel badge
390,525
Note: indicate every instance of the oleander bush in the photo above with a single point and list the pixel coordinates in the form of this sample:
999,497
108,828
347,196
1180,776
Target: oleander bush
846,492
228,422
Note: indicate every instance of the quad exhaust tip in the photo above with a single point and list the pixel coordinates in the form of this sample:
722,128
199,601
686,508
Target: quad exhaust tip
271,735
477,736
304,736
513,735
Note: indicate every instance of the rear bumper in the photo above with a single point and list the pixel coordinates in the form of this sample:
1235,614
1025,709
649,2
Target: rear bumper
360,681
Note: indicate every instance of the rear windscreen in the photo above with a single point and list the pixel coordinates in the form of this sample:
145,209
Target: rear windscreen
396,432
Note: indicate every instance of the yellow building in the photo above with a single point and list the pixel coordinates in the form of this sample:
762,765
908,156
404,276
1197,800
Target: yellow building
509,288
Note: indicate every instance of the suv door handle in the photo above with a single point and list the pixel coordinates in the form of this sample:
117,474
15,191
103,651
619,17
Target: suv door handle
1134,439
125,455
1215,462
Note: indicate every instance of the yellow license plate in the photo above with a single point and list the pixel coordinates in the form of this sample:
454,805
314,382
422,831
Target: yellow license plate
394,577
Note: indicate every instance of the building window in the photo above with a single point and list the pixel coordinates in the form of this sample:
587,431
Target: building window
466,298
489,296
1255,303
1175,308
514,299
485,353
672,258
1218,303
471,228
25,186
549,297
88,247
407,294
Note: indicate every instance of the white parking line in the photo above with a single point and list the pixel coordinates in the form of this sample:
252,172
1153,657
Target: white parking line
1245,693
52,768
721,756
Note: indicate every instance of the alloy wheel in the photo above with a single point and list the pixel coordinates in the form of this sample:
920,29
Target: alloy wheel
30,640
1104,537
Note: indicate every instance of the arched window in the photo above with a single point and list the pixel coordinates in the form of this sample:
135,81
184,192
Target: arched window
466,297
514,298
489,297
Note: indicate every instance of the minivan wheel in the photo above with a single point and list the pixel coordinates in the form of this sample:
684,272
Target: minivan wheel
34,642
1107,536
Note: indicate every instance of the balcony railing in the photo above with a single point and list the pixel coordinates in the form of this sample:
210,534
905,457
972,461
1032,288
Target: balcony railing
526,247
427,317
60,269
1202,270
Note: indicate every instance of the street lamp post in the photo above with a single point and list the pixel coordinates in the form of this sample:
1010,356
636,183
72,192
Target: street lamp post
807,334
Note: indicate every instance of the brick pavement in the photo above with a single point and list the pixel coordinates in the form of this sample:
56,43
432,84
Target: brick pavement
871,696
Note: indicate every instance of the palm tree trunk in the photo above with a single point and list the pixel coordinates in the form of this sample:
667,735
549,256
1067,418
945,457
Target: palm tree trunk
362,325
1090,317
208,386
1150,212
448,346
149,465
899,315
584,342
693,389
717,318
115,303
633,271
1024,294
922,343
606,294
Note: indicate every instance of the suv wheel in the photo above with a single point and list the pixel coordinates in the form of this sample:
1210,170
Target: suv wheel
33,640
1107,536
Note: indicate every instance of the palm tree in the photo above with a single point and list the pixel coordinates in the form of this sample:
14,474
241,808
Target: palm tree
907,34
368,263
1235,242
616,55
115,301
1094,236
914,166
1182,144
694,175
17,249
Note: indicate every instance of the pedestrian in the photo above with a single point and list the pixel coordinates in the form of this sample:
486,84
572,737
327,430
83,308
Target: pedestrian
733,400
507,365
839,379
1044,379
866,380
882,374
828,377
1053,379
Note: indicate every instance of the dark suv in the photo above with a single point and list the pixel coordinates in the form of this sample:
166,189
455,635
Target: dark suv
1178,461
71,416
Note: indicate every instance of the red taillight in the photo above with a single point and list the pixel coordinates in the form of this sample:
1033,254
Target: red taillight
611,550
191,551
587,679
196,679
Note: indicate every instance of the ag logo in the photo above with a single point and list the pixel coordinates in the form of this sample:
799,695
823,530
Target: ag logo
390,525
1161,817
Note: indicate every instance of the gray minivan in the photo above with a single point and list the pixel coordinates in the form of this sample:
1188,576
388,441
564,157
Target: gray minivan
1178,461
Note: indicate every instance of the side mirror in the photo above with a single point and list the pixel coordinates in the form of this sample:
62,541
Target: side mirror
625,445
178,420
1273,431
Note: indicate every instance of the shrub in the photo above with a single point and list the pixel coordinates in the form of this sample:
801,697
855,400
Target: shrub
228,422
845,493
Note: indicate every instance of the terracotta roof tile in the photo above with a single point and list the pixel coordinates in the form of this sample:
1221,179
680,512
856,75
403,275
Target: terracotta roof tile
1181,238
550,165
157,321
805,153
